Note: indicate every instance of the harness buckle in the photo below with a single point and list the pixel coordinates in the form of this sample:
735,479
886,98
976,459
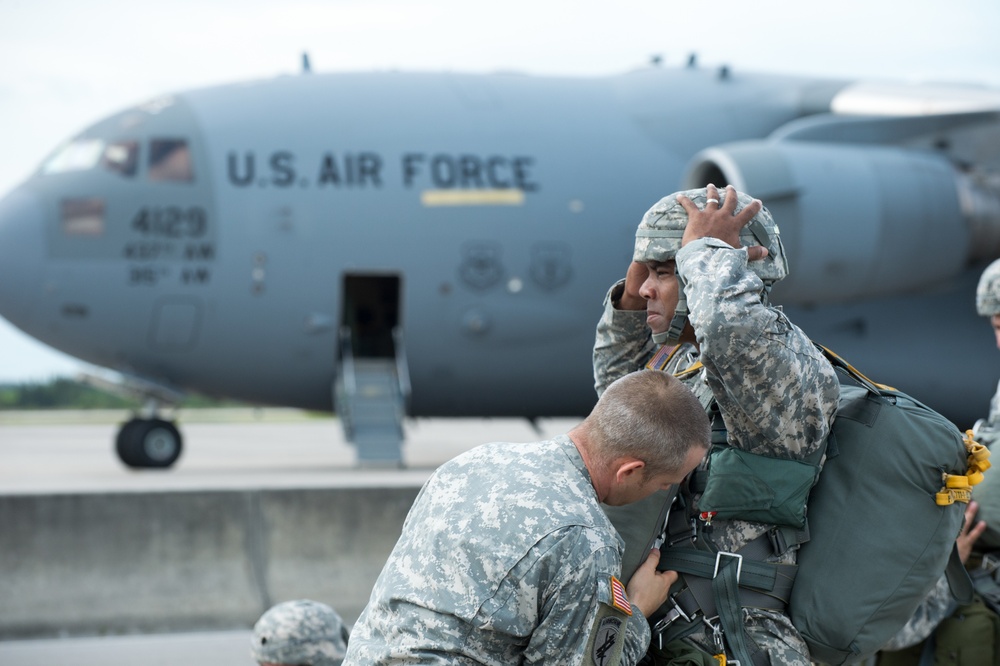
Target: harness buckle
714,633
739,563
691,534
672,616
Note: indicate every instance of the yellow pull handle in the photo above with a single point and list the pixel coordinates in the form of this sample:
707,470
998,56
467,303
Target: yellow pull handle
958,487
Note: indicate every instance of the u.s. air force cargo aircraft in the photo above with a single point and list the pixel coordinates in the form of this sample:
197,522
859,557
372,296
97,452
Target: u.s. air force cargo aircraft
385,244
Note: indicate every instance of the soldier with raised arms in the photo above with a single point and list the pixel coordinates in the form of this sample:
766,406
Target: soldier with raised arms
694,302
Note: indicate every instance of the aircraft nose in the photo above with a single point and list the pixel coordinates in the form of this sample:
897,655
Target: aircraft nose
22,230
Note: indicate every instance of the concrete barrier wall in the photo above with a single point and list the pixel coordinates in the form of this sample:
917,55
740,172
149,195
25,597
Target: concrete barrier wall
83,564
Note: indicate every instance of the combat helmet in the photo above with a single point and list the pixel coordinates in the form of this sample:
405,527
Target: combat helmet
988,291
299,632
658,238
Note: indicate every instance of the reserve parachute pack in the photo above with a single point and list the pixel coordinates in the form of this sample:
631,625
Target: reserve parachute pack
882,520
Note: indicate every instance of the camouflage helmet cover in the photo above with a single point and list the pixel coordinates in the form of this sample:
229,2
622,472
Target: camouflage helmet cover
988,291
299,632
658,237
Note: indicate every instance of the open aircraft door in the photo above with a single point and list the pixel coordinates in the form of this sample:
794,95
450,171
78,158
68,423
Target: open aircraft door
373,384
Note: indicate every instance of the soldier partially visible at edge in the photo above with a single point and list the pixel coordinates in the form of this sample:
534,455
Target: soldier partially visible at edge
917,642
299,633
506,556
704,298
987,431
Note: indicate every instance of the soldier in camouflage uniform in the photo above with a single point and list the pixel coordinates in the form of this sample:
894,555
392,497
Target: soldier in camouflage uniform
507,558
299,632
699,251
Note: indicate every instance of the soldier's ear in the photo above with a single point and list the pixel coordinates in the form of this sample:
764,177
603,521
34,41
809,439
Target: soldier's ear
627,467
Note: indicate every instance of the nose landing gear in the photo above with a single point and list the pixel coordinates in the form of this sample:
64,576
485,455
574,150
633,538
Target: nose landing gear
146,440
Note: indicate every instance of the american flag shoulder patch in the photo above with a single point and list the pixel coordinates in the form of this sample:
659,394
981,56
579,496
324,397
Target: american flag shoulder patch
618,598
661,357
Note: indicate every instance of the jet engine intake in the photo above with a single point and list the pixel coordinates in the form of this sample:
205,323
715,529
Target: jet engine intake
860,221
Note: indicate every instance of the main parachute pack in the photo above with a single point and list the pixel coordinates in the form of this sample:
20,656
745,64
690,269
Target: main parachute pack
877,533
883,519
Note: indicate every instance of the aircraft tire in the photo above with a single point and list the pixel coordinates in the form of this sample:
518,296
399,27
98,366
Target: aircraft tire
144,443
123,444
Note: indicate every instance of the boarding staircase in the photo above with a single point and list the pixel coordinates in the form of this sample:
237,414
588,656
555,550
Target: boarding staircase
370,396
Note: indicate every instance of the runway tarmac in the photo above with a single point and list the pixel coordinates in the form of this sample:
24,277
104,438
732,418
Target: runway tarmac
53,453
223,449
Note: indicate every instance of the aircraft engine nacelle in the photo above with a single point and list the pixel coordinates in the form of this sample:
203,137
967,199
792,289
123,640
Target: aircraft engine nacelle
859,221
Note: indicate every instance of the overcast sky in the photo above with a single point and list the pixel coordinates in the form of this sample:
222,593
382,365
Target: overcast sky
67,63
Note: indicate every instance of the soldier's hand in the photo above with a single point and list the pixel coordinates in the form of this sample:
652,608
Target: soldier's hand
630,299
648,588
969,534
720,222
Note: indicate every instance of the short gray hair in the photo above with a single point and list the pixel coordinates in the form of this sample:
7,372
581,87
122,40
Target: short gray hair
649,415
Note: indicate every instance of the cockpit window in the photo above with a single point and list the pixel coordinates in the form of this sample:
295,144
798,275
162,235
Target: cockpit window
76,155
122,157
170,160
82,217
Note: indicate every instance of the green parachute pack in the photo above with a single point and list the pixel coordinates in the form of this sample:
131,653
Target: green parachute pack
882,519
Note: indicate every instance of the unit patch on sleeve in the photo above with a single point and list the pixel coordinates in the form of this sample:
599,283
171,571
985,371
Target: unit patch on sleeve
609,639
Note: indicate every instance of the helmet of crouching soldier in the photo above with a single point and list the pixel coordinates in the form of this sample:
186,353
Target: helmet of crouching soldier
299,632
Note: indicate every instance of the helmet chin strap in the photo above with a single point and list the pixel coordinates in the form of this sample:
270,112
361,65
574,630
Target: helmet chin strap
661,338
672,335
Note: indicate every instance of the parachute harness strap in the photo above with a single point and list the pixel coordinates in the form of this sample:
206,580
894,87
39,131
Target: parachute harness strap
837,361
958,487
677,322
